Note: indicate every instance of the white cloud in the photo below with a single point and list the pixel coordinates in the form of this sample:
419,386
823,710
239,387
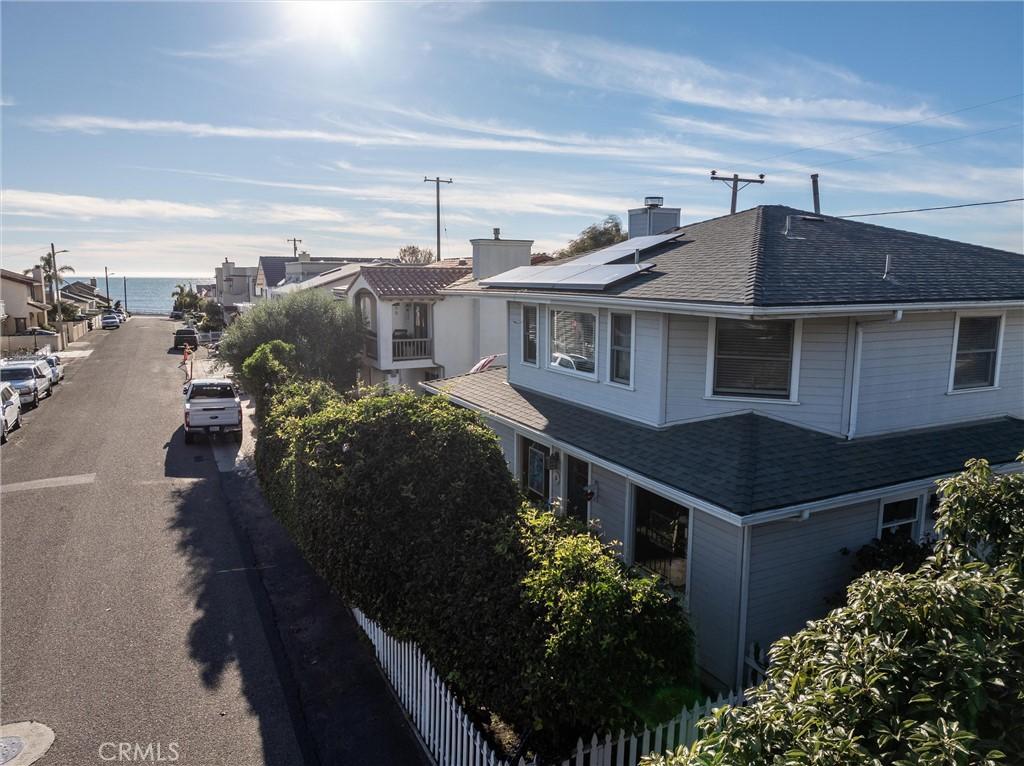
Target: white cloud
600,63
20,202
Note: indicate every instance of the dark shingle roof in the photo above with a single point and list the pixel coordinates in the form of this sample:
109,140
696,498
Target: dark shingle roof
408,281
745,463
779,256
273,268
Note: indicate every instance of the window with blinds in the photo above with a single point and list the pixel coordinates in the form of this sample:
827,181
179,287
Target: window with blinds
621,361
753,358
574,341
976,350
530,334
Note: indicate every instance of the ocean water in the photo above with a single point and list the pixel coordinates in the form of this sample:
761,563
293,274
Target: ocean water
146,295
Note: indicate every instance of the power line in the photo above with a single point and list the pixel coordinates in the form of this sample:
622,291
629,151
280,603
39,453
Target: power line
918,146
926,209
891,127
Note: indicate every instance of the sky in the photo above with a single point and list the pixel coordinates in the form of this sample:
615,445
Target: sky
162,138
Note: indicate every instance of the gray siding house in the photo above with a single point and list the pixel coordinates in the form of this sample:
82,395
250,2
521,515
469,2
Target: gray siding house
736,402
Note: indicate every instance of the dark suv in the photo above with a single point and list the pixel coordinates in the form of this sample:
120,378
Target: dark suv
186,335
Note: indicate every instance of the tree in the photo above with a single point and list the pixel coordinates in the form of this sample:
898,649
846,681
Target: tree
595,236
185,298
213,315
49,275
413,254
327,335
924,667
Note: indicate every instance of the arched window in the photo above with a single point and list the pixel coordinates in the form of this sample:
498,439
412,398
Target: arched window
367,306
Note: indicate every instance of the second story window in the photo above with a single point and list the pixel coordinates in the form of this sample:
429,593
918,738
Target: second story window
573,341
753,358
976,355
530,334
621,357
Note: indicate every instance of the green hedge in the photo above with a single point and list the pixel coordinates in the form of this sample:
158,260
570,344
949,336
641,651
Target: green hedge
405,505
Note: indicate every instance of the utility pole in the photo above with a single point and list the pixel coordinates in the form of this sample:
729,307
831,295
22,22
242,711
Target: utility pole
295,246
437,188
735,182
58,316
106,278
125,306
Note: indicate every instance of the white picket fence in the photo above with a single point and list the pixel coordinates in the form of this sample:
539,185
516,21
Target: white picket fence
453,740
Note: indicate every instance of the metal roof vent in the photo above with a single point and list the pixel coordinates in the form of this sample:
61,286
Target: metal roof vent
654,201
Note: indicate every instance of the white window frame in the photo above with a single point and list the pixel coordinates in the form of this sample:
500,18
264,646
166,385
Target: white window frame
956,341
916,525
794,368
632,351
593,376
522,333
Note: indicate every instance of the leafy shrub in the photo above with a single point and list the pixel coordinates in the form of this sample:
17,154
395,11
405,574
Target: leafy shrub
405,505
326,334
267,368
925,667
213,316
892,552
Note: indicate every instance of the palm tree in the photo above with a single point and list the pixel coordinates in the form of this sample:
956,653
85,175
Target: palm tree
49,274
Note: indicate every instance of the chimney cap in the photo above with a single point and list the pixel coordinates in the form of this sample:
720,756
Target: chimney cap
497,233
654,201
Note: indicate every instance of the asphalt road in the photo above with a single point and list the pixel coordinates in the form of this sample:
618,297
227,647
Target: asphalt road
134,609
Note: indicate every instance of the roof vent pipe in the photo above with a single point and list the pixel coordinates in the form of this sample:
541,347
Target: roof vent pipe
814,191
636,256
888,265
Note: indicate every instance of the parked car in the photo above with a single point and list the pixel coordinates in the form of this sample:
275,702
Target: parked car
11,403
110,322
31,379
177,314
212,406
186,335
56,368
36,331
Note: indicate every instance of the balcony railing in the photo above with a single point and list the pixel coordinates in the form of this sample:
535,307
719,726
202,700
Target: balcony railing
370,344
412,348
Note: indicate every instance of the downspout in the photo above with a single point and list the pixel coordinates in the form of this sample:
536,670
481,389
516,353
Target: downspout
741,628
858,346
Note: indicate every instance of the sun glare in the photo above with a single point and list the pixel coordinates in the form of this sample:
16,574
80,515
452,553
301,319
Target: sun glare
333,23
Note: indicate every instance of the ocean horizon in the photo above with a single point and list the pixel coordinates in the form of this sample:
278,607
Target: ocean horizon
143,295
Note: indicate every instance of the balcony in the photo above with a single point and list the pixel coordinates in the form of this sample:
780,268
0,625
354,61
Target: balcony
403,349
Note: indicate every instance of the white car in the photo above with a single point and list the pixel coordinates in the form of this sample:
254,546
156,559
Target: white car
212,406
31,379
110,322
11,417
56,368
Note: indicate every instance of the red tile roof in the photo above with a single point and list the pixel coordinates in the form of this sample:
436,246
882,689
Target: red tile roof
409,281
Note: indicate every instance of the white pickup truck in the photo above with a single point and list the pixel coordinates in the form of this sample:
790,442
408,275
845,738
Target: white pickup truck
212,406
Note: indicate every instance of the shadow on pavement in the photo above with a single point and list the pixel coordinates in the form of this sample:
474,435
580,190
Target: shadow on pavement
234,631
187,461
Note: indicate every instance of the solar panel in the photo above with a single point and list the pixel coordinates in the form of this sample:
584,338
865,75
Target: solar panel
575,276
626,248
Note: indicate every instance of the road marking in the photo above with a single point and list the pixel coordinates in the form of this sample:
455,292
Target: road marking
57,481
244,569
82,478
172,480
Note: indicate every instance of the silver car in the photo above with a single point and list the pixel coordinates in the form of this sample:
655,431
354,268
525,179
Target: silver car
56,368
31,379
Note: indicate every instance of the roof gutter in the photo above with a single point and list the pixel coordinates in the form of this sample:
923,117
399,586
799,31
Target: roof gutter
733,310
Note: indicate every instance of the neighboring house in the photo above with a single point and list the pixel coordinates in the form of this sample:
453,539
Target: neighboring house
274,271
87,290
338,278
84,304
234,285
24,304
743,401
416,331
